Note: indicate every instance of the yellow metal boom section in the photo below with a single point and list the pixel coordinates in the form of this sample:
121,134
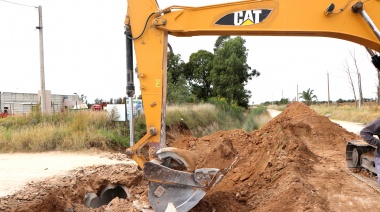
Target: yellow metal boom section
287,18
151,26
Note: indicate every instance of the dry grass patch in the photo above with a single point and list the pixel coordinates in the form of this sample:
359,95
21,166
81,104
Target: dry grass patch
367,113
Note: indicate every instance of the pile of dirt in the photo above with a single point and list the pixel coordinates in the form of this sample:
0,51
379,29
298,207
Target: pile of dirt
294,163
271,166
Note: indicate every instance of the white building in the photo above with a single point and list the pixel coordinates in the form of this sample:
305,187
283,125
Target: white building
22,103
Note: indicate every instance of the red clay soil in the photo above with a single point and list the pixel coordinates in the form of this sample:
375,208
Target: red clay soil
294,163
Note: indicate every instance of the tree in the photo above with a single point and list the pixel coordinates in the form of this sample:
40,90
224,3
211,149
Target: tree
83,98
119,100
360,91
175,68
97,101
308,96
283,101
220,41
198,74
359,101
178,90
349,77
230,70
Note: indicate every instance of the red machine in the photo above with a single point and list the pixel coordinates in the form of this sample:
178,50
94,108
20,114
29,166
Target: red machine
4,115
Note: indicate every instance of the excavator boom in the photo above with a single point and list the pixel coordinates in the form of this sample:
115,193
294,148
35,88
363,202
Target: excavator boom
148,27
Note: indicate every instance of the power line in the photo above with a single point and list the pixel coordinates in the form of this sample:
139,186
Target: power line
25,5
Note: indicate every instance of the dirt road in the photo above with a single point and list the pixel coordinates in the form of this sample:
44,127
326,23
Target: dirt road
20,168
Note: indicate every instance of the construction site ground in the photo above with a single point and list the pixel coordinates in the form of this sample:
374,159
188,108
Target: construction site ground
296,162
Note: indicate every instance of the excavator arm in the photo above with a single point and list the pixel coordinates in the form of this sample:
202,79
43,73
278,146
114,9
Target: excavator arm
148,27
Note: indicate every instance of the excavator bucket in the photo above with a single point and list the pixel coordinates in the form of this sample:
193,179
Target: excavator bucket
182,189
173,180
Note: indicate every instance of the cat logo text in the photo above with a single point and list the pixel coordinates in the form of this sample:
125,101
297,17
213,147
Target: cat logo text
245,17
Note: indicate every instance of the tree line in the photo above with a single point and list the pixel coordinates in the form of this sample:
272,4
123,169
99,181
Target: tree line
222,73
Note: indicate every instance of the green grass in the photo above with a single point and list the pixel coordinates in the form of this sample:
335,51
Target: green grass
83,130
60,131
256,119
216,115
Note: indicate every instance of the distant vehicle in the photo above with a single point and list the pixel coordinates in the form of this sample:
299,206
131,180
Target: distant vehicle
4,115
96,107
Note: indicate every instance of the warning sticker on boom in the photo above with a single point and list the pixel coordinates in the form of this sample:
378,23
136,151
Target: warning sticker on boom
245,17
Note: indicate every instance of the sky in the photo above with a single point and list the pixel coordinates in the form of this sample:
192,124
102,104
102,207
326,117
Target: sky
84,53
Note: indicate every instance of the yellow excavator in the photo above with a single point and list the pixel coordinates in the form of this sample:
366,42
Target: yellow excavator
170,172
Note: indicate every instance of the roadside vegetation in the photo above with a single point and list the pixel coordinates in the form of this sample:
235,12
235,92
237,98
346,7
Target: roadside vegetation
88,130
349,112
82,130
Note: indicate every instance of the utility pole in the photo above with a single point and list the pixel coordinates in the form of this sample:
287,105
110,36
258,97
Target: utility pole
42,69
297,94
328,89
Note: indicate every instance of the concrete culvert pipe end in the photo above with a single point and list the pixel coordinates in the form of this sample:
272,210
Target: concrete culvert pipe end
106,195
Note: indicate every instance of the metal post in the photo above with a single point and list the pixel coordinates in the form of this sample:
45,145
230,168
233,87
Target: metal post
328,89
42,71
131,126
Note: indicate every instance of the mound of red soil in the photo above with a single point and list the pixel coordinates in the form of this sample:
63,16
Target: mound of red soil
267,169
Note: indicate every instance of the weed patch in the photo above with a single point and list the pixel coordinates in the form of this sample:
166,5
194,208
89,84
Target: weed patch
80,130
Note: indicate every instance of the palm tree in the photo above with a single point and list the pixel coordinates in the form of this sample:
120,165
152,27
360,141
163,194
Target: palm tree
308,96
